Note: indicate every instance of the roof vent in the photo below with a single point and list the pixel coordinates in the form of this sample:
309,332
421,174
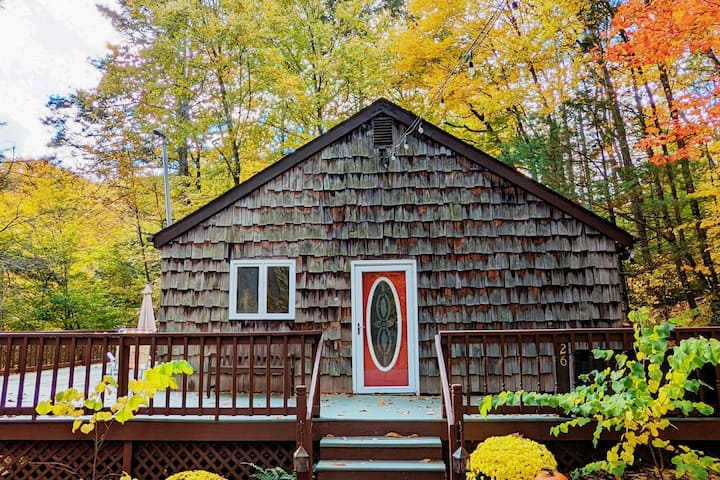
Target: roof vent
382,131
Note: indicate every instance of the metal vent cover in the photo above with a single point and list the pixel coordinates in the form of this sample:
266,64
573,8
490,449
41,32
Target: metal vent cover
382,131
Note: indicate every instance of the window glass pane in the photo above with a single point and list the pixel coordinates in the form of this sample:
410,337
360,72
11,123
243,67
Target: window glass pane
247,289
278,290
384,325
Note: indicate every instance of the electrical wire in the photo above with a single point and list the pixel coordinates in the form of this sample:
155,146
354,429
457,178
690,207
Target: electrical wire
454,72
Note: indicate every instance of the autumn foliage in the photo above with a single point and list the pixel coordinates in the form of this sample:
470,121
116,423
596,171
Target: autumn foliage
674,34
614,104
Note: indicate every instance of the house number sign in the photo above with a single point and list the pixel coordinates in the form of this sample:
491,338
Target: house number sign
564,354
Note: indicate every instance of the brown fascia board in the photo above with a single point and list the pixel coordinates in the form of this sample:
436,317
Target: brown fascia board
384,106
256,181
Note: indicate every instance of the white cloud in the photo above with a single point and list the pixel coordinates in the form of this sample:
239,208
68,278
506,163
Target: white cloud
45,47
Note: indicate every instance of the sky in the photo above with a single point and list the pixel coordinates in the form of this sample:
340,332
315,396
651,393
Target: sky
45,47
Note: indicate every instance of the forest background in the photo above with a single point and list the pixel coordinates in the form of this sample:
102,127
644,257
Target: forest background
614,104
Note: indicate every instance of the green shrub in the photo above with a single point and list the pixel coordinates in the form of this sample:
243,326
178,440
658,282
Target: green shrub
270,473
635,396
510,457
195,475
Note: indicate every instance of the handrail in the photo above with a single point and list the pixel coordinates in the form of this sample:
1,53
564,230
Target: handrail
453,411
303,456
444,383
314,393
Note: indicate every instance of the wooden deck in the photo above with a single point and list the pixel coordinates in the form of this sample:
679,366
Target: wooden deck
147,443
267,425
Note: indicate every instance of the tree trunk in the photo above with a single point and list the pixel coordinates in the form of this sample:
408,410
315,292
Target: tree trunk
666,231
700,232
628,173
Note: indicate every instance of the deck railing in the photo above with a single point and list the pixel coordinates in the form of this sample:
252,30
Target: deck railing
235,373
474,363
544,360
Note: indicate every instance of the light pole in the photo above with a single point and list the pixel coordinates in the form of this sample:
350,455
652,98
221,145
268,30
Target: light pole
168,211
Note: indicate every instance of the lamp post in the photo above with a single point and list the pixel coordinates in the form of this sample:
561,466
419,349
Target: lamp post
168,211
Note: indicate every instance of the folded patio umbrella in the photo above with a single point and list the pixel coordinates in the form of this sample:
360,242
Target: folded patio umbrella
146,322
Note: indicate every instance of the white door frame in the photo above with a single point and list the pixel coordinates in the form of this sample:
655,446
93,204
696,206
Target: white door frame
357,268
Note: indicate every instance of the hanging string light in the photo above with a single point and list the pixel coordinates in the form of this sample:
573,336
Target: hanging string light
465,58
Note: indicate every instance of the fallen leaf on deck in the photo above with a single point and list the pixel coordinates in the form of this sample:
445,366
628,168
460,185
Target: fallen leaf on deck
329,435
413,435
381,402
426,460
393,435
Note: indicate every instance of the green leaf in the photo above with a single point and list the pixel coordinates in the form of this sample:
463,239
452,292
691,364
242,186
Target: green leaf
93,404
600,354
137,401
44,408
486,405
659,443
124,414
704,408
184,367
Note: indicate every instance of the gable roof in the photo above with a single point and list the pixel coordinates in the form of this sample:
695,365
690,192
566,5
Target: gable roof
385,107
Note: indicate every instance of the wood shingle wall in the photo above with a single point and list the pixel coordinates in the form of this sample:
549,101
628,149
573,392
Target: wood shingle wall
489,254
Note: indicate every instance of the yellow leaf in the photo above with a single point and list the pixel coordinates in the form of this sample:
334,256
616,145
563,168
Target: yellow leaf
87,428
103,416
393,435
76,425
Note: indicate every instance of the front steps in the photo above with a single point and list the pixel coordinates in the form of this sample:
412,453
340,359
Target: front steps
391,457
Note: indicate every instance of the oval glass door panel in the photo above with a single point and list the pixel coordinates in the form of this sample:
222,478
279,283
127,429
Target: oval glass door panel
383,324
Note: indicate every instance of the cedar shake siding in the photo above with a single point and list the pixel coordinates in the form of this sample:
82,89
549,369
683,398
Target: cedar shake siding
490,254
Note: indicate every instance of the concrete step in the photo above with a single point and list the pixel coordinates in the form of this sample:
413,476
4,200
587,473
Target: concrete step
381,448
389,469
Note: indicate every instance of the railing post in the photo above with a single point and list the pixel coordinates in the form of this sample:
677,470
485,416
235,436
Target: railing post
717,389
563,355
302,458
123,366
458,410
456,435
301,412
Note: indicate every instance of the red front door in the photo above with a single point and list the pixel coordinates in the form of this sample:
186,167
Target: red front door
385,327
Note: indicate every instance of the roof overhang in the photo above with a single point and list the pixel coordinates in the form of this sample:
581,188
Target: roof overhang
383,106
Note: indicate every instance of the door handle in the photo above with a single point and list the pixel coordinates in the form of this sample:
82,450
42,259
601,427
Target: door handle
359,328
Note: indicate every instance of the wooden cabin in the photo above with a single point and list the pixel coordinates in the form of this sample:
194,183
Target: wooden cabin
354,264
380,233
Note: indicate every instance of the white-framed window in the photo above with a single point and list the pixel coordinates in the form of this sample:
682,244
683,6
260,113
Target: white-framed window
262,289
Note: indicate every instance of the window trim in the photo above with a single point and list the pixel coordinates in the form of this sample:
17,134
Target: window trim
262,289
